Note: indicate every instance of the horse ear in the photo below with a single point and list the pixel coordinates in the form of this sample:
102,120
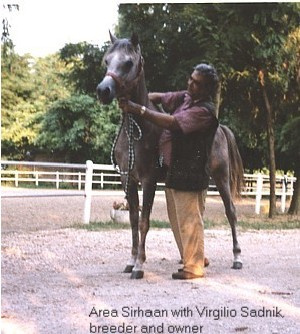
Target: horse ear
134,39
112,37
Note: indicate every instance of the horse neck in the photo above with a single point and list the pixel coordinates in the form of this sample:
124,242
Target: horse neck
139,94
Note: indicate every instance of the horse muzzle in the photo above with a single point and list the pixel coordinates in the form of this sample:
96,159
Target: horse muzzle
106,90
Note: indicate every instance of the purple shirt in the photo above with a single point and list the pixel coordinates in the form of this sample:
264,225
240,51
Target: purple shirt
189,115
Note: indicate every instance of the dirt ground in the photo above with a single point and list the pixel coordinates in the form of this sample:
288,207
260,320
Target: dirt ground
35,213
57,279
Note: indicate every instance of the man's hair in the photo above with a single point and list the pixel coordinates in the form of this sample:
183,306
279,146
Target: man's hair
211,76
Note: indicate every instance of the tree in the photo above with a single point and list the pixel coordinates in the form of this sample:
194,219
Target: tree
79,128
277,22
7,43
290,146
84,66
247,44
49,105
29,86
288,142
48,75
17,126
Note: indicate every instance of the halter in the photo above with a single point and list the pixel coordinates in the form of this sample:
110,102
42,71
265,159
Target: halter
123,84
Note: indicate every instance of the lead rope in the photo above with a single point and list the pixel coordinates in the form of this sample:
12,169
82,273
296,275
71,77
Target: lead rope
131,156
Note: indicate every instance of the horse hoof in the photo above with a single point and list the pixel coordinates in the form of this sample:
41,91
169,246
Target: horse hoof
128,269
237,265
137,274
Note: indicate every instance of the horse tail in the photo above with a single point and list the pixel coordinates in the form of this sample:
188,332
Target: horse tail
235,164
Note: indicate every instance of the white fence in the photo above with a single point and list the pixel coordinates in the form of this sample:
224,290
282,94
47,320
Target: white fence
89,174
41,173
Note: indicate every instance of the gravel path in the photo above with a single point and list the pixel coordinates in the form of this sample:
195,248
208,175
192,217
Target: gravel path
51,280
57,280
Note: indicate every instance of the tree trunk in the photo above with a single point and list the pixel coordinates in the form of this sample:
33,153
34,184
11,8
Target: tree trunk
218,99
271,144
294,208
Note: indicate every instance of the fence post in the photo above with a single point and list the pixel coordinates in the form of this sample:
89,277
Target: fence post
283,193
292,186
16,178
79,180
102,180
57,179
36,178
259,188
88,191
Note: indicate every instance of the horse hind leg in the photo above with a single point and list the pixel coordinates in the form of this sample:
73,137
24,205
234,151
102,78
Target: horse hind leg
224,190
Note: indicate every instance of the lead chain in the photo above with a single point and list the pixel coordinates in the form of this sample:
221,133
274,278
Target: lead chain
131,155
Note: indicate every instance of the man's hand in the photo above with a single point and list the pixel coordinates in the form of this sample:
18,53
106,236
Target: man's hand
160,119
155,97
128,106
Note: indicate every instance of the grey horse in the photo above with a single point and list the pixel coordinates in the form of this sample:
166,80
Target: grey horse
136,155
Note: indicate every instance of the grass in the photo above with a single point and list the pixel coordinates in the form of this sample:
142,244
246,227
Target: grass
278,223
42,185
101,226
269,224
110,225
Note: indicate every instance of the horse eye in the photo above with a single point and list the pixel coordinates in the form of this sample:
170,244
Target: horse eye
128,64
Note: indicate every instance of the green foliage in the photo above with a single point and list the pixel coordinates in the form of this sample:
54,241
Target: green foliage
48,77
28,87
15,77
19,130
241,40
289,141
41,112
79,128
83,61
17,112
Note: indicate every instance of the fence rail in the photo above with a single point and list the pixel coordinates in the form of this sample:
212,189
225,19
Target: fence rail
90,174
105,174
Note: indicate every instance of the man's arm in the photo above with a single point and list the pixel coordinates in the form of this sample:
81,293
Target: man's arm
162,120
155,97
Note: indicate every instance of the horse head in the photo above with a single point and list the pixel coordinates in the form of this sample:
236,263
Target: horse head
124,64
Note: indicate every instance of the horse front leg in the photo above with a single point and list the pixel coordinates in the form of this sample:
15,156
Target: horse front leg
148,198
224,190
133,202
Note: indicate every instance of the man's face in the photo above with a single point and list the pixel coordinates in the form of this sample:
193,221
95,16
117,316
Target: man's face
197,86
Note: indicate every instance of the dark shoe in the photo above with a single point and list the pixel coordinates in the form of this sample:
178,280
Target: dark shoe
185,275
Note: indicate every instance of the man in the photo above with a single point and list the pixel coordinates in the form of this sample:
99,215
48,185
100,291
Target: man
189,126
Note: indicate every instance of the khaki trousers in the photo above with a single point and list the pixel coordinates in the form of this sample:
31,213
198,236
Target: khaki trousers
185,211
